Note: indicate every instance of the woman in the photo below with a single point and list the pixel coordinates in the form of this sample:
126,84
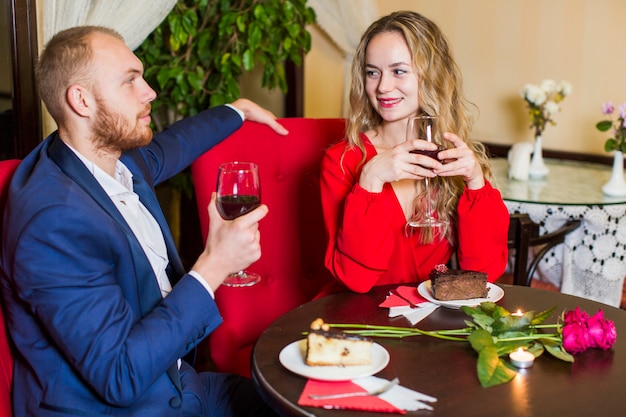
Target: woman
372,184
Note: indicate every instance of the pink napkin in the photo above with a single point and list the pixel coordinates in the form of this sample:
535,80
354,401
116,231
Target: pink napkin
363,403
410,293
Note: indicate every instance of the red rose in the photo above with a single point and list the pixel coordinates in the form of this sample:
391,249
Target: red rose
576,337
575,316
601,332
581,332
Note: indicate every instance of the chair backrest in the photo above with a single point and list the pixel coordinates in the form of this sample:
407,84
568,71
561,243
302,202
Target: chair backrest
7,168
523,235
293,237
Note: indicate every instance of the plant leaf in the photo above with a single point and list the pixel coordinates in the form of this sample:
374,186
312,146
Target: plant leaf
491,369
604,125
610,145
541,317
559,352
481,339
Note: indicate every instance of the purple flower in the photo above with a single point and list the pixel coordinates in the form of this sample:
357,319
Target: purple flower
607,107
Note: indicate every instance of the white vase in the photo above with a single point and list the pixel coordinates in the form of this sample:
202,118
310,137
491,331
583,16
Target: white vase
616,187
538,168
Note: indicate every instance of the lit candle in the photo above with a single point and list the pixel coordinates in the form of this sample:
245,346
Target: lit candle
518,313
522,358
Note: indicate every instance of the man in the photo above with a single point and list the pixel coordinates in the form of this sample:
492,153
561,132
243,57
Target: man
98,304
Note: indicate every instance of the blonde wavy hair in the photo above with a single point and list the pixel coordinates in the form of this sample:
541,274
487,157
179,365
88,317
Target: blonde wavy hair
440,93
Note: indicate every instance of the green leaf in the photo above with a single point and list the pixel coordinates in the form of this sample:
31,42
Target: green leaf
491,369
541,317
294,30
255,34
190,22
195,81
248,60
241,22
610,145
480,339
559,352
604,125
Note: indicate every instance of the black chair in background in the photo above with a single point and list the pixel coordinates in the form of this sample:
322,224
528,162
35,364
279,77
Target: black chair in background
523,235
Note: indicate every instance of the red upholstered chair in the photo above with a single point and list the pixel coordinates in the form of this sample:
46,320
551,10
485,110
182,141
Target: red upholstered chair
293,239
7,168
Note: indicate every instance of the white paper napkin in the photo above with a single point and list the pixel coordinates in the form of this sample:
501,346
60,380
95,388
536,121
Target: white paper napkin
414,315
398,396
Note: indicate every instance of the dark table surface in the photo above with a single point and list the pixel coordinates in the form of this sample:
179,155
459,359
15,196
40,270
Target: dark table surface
594,385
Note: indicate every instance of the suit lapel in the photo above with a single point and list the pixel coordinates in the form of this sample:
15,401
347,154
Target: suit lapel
68,162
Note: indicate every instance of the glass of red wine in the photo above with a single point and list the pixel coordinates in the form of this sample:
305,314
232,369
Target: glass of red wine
238,192
425,128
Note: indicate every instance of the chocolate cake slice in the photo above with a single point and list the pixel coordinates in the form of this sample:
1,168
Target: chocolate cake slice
453,284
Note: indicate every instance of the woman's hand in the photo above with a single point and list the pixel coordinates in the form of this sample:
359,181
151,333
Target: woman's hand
461,161
398,163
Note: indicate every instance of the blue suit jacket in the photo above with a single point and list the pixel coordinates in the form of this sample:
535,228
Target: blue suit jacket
83,305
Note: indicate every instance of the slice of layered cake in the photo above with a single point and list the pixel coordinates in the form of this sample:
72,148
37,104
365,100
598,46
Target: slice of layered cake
330,347
454,284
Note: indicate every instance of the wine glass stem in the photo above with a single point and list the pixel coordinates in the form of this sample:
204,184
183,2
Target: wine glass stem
429,209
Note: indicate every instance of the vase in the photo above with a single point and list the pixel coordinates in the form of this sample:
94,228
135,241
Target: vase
616,187
538,168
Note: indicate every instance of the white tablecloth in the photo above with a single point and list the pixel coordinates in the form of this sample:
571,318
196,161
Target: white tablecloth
592,261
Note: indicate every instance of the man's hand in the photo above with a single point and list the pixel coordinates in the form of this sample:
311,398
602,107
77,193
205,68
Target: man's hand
256,113
231,246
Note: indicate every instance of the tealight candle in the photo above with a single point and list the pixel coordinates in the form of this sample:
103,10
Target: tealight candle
522,358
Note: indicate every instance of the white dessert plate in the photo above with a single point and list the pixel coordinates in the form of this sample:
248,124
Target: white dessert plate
292,358
495,294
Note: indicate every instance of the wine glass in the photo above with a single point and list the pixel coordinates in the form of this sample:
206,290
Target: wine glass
425,128
238,192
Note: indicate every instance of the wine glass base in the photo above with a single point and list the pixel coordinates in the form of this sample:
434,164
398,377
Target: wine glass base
426,223
242,279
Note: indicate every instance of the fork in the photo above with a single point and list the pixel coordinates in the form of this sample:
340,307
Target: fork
372,392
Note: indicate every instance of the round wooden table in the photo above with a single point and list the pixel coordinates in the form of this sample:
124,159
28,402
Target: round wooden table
592,386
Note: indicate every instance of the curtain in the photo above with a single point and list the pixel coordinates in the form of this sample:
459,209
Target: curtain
344,21
134,20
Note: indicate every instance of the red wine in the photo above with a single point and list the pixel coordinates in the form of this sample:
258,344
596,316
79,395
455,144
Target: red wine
429,153
233,206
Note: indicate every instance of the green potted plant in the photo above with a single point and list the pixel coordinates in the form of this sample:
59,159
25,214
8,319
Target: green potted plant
196,57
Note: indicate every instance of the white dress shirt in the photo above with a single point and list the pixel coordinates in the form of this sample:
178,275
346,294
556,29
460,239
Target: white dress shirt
140,220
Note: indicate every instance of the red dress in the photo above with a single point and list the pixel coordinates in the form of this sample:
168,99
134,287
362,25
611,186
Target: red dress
367,245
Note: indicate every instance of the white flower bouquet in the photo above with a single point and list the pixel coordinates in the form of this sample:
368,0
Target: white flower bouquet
543,102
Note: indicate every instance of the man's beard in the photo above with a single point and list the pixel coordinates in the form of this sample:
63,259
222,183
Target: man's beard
114,132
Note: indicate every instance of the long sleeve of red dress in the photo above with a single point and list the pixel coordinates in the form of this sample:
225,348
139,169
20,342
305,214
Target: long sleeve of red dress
367,244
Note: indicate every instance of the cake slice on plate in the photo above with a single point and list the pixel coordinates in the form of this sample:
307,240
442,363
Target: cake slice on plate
455,284
329,347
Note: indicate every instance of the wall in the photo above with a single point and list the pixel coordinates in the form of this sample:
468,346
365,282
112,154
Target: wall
6,84
502,45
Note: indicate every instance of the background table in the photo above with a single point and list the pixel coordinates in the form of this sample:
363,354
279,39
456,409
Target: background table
592,261
591,386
